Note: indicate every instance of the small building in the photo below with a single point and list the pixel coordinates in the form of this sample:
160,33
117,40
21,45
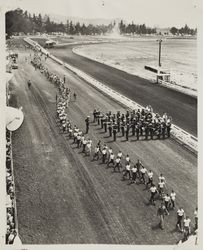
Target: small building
161,73
49,44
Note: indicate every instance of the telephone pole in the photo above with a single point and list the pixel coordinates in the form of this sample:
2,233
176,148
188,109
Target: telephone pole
160,41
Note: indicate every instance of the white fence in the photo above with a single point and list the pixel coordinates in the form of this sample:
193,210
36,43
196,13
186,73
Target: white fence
181,135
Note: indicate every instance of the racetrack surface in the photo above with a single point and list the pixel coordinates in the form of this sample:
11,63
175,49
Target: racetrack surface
182,107
63,197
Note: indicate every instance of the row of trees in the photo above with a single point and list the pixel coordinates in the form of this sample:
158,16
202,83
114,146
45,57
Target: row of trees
183,31
18,21
135,29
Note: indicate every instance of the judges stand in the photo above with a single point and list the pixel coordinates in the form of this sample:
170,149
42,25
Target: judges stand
161,73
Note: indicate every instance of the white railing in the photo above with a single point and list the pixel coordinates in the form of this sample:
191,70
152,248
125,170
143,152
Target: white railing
184,137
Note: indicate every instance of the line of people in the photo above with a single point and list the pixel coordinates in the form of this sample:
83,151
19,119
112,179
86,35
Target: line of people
11,230
140,123
135,173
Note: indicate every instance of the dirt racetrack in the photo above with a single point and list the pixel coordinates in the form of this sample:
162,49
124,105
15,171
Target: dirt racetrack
63,197
182,107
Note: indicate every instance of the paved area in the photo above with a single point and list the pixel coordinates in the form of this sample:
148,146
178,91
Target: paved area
63,197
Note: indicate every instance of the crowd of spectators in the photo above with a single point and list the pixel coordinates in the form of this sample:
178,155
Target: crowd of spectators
11,231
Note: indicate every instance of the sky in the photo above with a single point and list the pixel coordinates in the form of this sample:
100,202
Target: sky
161,13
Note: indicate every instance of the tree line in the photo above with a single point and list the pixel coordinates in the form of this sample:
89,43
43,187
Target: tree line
183,31
19,21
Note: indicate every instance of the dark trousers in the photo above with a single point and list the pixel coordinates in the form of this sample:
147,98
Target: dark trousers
127,172
179,222
134,176
118,166
96,156
123,132
111,161
103,158
87,129
142,178
150,182
152,199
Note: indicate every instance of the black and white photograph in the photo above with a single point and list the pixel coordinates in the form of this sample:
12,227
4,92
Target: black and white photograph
99,123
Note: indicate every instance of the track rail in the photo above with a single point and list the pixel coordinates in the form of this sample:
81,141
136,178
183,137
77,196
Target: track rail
185,138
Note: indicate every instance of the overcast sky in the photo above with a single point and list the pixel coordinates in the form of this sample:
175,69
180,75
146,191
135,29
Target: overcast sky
162,13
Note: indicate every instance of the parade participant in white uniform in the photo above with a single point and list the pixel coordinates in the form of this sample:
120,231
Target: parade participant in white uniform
111,160
187,230
153,191
150,178
143,171
96,153
104,154
118,164
134,174
180,217
173,197
127,171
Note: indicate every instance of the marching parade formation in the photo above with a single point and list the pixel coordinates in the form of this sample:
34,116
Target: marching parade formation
139,123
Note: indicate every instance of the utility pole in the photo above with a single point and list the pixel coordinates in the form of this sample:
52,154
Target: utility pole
159,59
160,52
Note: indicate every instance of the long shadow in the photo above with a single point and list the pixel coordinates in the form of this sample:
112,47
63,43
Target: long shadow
155,227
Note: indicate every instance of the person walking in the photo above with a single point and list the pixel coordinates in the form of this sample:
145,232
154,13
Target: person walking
150,178
87,124
118,164
104,155
153,191
143,171
134,174
186,228
173,197
74,96
196,219
96,153
29,84
167,200
180,217
110,129
84,143
114,132
127,171
161,186
127,127
111,160
161,212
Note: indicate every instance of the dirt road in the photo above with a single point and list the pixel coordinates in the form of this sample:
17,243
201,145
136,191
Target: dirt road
181,107
63,197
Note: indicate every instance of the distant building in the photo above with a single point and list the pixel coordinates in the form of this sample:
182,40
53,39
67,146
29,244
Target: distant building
49,44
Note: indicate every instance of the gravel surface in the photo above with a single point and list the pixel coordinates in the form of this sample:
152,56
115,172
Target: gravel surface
63,197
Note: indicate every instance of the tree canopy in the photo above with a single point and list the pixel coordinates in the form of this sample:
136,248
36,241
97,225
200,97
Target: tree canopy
18,21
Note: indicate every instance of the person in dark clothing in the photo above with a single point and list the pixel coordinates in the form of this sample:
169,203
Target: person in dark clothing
29,84
168,129
163,130
75,96
87,124
161,212
127,131
94,115
110,130
114,132
123,128
137,132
